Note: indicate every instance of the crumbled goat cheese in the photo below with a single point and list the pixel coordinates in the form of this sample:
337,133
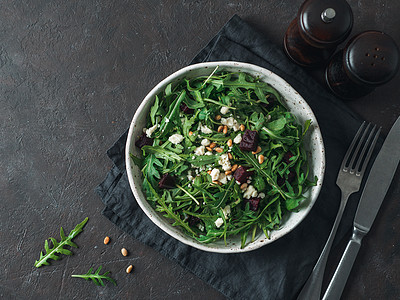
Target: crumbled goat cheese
229,177
205,142
176,138
208,153
204,129
200,150
237,139
227,211
231,123
200,226
215,174
219,222
224,110
224,162
250,192
222,178
261,195
190,176
151,130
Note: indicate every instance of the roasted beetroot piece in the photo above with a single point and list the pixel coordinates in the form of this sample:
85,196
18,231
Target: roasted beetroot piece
290,178
167,182
143,140
186,110
271,102
253,203
288,155
249,140
241,174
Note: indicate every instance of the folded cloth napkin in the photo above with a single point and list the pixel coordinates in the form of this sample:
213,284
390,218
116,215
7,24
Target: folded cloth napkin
278,270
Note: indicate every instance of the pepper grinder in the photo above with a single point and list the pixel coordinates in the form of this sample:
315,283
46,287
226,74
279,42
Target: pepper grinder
320,26
369,60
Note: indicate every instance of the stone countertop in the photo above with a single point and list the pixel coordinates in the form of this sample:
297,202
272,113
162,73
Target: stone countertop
72,74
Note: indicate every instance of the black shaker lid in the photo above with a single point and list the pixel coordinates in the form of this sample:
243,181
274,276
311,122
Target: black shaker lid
326,21
371,58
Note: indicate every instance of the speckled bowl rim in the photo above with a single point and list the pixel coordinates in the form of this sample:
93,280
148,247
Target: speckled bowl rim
295,103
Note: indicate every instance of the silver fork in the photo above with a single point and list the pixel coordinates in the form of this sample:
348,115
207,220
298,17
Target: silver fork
349,180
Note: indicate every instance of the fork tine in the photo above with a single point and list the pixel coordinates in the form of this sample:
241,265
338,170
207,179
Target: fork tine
371,148
350,149
361,156
355,153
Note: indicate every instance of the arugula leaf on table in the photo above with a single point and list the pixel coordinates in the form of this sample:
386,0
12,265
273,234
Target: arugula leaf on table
58,247
96,277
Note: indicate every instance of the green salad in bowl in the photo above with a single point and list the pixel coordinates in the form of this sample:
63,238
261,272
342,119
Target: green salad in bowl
222,159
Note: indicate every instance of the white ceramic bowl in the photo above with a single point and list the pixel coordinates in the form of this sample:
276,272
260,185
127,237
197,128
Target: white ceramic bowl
293,101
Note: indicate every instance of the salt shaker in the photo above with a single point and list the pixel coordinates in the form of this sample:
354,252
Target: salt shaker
320,26
369,60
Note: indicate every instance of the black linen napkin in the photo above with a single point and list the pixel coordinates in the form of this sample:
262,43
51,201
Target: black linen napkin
278,270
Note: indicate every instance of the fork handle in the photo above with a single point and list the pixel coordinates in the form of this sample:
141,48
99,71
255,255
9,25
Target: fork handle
312,288
339,279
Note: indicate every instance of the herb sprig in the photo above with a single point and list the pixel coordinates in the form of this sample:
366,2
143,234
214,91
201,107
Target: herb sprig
58,247
96,277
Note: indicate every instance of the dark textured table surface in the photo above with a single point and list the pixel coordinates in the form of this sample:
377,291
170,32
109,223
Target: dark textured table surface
72,74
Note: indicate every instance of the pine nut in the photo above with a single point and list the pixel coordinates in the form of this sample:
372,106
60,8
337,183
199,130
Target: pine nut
106,240
124,252
229,172
230,156
209,148
218,117
242,128
257,151
217,182
244,186
209,172
225,131
220,128
229,143
190,133
212,145
129,269
260,159
234,167
219,150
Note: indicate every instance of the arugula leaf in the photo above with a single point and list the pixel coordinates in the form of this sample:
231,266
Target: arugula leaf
136,160
58,247
150,169
96,278
277,125
202,160
168,211
161,152
259,183
153,111
166,122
